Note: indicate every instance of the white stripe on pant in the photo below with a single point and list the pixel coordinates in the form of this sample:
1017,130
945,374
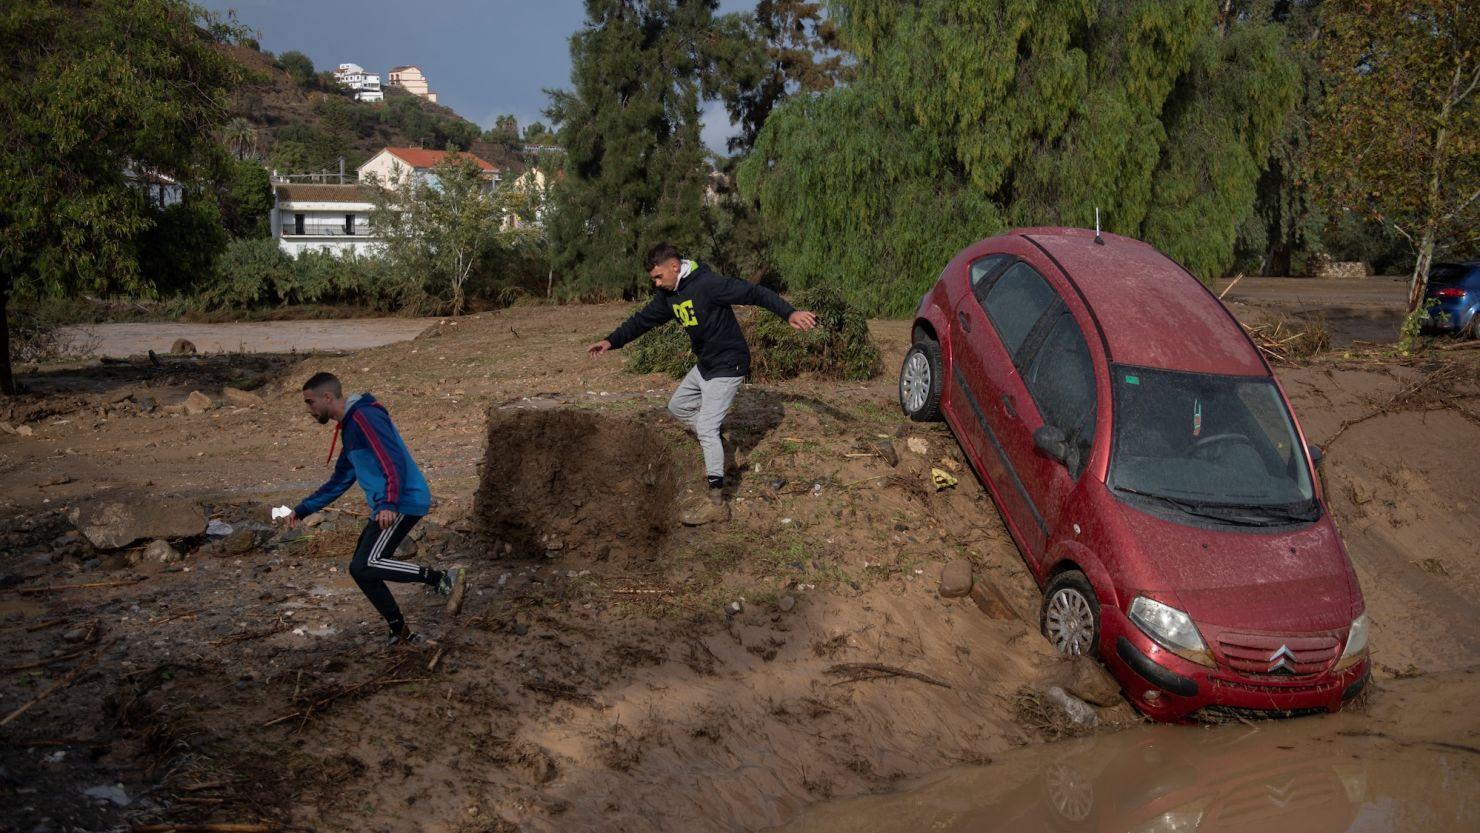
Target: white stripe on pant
376,552
701,404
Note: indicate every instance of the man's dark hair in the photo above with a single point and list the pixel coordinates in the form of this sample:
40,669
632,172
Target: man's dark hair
659,254
324,382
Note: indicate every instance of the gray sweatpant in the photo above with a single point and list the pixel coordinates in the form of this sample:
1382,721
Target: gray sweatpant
701,404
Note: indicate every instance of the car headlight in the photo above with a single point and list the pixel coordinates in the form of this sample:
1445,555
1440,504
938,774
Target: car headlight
1171,628
1356,643
1184,819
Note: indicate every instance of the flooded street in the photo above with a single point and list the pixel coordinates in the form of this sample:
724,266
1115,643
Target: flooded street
1319,775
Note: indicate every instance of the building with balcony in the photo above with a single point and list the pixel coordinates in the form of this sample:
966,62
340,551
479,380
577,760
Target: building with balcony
328,218
366,85
411,79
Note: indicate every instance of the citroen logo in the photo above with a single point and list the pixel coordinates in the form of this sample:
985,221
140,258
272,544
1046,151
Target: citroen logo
1281,659
1280,796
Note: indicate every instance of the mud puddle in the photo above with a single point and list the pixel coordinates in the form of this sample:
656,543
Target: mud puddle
1317,776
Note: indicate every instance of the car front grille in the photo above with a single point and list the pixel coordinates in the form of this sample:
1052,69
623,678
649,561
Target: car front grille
1275,657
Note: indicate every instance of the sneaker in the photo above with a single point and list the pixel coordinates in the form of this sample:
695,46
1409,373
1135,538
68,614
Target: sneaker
712,509
454,585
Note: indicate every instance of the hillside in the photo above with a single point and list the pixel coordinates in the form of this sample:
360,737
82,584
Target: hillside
306,127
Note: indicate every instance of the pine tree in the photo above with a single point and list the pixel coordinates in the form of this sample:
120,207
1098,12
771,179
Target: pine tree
634,162
972,116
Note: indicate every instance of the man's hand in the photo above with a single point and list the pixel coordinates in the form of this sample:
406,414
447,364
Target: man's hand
292,520
801,320
598,348
385,518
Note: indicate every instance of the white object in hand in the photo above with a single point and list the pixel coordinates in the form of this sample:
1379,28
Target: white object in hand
280,512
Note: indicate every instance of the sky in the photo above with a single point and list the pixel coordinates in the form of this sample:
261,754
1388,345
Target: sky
484,58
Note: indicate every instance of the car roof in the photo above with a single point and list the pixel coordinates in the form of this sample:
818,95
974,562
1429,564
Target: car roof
1151,311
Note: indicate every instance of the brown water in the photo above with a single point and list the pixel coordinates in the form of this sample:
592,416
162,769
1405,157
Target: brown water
133,338
1312,776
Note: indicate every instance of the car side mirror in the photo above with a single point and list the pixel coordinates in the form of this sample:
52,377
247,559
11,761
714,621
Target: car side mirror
1316,455
1050,440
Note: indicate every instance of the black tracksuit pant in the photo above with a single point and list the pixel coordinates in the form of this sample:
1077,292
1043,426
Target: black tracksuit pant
372,567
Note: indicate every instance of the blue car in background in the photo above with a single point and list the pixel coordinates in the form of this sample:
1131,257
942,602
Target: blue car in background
1453,298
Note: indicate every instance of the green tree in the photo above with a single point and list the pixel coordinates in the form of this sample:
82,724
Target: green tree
505,131
240,138
70,210
968,117
246,202
634,161
298,66
444,228
1399,134
536,133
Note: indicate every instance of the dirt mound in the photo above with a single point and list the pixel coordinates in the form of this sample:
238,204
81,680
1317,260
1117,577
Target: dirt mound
573,483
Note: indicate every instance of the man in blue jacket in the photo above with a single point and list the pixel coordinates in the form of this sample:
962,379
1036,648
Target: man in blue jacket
374,455
701,300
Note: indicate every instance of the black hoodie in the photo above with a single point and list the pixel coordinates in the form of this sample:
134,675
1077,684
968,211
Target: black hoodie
701,304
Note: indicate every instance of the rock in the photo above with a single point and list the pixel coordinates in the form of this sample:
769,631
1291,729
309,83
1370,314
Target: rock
182,345
1089,681
160,552
241,398
109,792
116,396
918,445
25,430
239,542
886,450
218,529
111,524
786,603
955,579
197,403
1079,711
314,520
408,548
6,428
733,608
990,600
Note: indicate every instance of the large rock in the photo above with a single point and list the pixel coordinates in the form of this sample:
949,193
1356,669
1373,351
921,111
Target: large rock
241,398
110,524
197,403
955,579
160,552
1089,681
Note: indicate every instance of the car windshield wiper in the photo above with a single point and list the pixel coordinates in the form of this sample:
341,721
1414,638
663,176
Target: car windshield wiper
1282,511
1263,515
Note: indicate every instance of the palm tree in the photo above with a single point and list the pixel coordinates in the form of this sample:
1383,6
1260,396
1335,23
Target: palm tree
240,137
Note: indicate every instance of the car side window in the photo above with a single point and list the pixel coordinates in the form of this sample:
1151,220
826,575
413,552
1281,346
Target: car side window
1015,301
1061,378
982,270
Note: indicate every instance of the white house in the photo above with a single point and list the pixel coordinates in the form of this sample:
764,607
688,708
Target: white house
410,78
329,218
395,167
365,84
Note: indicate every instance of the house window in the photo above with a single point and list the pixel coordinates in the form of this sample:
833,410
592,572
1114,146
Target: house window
349,224
298,224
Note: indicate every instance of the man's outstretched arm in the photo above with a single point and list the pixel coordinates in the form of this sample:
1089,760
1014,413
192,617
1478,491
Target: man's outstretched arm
342,479
654,313
734,291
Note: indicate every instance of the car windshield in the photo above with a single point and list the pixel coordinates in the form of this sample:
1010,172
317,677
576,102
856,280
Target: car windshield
1217,446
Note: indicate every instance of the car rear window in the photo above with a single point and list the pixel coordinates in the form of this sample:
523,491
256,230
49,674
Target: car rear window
1015,302
1447,273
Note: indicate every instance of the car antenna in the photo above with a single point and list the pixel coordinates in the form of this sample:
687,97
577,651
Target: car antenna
1098,239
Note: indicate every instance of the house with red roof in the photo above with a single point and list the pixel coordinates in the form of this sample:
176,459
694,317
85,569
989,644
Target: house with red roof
395,167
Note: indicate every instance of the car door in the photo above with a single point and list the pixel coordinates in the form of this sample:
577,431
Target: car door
1058,374
997,320
968,327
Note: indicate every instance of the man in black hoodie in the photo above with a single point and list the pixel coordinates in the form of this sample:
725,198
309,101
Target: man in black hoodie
700,300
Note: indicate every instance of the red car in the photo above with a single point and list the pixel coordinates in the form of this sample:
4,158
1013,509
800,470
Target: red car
1148,465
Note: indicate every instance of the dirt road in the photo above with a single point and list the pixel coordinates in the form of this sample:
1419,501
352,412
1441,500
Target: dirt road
611,670
1350,309
305,336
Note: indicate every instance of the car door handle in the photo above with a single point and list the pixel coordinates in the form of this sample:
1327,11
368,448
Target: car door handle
1009,404
964,319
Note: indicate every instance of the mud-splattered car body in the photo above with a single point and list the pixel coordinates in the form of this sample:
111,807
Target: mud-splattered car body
1149,468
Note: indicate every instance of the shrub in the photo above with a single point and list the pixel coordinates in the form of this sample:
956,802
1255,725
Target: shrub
839,348
248,272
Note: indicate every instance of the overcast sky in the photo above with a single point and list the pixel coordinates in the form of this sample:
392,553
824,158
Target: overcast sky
482,57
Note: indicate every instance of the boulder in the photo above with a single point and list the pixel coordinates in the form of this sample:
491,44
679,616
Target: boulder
160,552
1089,681
111,524
241,398
197,403
182,345
955,579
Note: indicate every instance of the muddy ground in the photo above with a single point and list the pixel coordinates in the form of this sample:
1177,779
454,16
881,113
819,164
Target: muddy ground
598,677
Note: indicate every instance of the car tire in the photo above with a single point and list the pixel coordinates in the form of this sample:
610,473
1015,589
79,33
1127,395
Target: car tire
1070,619
920,382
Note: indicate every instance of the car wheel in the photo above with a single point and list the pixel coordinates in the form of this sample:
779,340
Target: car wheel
920,382
1071,615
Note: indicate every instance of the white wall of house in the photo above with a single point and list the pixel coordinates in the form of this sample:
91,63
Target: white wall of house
386,169
336,227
